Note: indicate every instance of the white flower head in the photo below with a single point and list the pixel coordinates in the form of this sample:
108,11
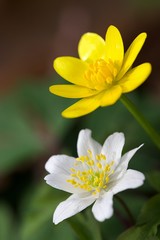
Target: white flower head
94,176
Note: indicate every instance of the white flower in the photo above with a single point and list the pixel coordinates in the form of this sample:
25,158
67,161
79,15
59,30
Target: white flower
94,176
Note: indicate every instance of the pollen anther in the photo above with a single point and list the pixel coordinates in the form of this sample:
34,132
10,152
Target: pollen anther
95,174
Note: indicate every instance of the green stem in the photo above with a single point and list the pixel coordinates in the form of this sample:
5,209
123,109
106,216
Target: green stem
132,220
85,226
155,137
94,226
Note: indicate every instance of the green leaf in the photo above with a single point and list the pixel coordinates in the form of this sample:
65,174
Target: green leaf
85,225
147,224
80,227
37,210
150,213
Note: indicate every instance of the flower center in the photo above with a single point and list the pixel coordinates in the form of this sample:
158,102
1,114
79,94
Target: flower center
93,174
101,74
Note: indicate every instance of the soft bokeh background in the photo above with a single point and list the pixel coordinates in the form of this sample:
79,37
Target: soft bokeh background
32,34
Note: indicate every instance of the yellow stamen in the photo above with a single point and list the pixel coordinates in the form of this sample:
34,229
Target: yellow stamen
101,73
95,174
99,165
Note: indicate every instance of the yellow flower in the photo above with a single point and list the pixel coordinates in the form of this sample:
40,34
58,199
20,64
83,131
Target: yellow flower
101,73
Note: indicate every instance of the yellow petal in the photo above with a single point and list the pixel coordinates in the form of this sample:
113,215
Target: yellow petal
132,53
71,69
71,91
111,96
83,107
91,47
135,77
114,47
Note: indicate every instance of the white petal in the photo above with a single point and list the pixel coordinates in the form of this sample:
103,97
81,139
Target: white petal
131,179
60,182
102,208
124,161
112,147
86,142
74,204
60,164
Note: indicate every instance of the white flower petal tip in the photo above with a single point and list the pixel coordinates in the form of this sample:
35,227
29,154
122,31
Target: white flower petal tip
113,146
103,207
86,142
49,164
73,205
94,176
131,179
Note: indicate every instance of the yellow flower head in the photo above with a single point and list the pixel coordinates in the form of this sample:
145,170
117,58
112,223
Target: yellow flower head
101,73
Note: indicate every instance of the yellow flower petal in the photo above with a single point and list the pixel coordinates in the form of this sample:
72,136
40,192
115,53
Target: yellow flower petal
132,53
71,69
111,96
91,47
135,77
72,91
114,47
83,107
102,73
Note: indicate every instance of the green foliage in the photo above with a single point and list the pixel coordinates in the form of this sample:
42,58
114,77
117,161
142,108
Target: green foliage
148,222
27,119
85,226
36,213
32,129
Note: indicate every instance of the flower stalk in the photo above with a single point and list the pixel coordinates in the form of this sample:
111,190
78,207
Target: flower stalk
85,226
145,124
124,205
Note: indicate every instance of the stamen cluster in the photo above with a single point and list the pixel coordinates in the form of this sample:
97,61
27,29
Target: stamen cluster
95,173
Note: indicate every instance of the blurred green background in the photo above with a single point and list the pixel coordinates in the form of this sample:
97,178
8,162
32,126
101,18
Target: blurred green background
32,34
